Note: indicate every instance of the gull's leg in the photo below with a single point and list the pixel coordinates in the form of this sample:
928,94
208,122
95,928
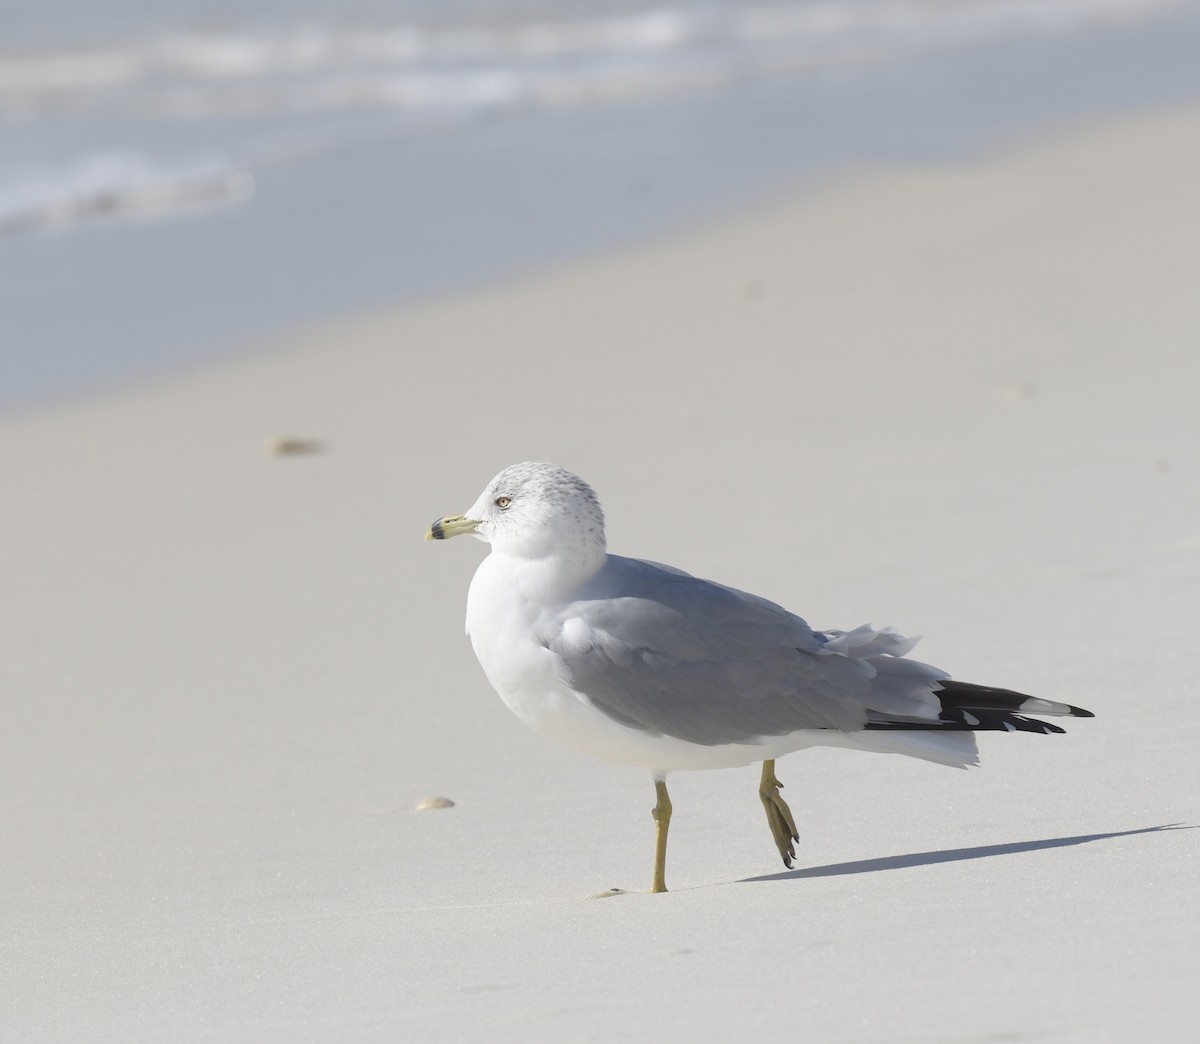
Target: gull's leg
662,819
779,816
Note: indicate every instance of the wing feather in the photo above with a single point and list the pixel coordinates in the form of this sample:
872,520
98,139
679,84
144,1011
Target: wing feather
676,655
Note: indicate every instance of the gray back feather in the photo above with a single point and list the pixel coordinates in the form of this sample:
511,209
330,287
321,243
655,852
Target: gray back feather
660,650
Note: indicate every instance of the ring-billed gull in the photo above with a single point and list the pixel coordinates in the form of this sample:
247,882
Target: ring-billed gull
645,664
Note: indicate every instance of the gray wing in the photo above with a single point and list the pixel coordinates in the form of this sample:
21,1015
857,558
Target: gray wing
662,651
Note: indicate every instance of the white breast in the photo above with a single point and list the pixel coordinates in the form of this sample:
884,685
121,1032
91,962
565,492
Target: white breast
502,621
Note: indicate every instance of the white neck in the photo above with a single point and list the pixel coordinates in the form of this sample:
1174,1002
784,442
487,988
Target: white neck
551,579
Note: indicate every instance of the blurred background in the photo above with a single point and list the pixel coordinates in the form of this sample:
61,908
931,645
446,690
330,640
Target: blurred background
958,398
180,177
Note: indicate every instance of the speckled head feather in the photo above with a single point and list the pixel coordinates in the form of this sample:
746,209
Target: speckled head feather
534,510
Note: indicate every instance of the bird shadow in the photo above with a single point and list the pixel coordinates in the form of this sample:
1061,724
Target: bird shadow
951,855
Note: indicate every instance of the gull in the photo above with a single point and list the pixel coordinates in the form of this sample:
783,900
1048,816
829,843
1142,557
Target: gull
645,664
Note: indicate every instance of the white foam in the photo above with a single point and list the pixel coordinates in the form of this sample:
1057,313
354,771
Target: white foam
199,81
117,185
224,62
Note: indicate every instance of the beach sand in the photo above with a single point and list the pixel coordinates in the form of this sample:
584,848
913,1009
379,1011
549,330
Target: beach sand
961,400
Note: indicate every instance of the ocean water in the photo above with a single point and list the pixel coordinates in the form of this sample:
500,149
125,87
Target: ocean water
179,176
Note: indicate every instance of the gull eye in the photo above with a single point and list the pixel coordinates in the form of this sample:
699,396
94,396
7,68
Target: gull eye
503,502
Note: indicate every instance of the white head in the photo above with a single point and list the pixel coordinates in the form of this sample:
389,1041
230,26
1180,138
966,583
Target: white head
534,511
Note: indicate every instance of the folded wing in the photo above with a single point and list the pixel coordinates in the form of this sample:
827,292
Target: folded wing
669,653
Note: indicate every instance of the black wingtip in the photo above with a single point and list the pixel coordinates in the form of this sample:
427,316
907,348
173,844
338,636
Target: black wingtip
966,696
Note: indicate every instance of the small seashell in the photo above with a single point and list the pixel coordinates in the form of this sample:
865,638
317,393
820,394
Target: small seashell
1021,390
290,446
426,804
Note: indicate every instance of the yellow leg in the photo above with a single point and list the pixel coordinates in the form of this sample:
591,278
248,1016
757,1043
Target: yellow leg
779,816
662,820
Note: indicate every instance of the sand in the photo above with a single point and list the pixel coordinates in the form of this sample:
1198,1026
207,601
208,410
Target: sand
958,400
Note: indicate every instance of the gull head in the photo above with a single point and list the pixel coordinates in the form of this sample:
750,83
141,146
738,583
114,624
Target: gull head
535,511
